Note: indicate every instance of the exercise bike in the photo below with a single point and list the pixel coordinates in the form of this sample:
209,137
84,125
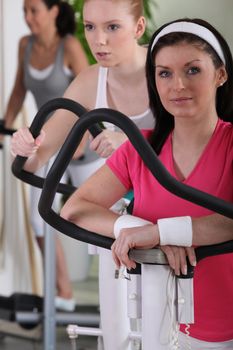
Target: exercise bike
150,260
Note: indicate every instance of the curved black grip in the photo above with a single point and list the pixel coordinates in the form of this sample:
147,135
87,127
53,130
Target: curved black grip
5,131
150,159
215,249
36,126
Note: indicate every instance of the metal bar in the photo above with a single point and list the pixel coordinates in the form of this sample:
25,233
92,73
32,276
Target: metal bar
49,321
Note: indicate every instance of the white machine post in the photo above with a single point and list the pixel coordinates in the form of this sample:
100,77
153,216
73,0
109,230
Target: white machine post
156,302
157,310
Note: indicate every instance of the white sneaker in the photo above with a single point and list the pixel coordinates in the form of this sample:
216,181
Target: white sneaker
64,304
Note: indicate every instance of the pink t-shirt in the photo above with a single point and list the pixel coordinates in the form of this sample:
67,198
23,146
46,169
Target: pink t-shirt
213,173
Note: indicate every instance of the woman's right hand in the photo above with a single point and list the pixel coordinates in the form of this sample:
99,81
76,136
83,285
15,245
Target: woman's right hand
23,143
107,142
142,237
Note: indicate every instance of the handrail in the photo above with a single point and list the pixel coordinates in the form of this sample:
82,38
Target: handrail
150,159
5,131
51,183
35,128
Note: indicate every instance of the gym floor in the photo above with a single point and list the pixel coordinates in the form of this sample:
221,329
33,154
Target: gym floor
85,293
63,343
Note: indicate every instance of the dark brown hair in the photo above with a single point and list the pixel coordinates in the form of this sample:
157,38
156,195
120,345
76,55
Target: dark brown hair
224,96
65,21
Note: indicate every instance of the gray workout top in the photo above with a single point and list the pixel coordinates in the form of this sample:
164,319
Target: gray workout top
53,85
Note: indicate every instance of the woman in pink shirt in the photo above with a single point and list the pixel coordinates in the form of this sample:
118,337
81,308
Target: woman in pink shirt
190,82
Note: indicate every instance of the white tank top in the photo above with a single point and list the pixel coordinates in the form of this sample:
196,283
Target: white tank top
144,120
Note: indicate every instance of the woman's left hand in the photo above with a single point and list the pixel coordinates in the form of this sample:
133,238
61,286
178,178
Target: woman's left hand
107,142
143,237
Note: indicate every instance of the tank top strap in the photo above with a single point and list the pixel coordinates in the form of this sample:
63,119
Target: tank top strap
27,52
101,95
59,60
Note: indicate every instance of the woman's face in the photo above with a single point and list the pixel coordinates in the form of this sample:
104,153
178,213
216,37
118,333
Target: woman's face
111,30
38,17
187,80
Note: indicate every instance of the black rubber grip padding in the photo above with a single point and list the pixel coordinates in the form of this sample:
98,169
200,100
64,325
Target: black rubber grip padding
35,128
147,154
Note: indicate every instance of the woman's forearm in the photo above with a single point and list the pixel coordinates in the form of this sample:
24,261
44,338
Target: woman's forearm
89,205
13,108
212,229
90,216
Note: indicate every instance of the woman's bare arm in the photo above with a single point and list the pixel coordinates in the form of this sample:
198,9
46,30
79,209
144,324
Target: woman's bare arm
18,92
89,206
212,229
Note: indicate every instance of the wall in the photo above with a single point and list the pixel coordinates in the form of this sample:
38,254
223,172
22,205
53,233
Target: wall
13,28
15,268
218,13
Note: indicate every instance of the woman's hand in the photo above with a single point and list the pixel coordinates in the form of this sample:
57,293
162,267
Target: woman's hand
107,142
143,237
177,258
23,143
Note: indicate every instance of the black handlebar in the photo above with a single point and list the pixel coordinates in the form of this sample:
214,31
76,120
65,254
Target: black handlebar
145,151
51,184
4,130
35,128
150,159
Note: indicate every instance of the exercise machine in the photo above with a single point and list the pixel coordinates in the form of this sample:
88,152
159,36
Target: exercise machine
9,231
150,334
25,311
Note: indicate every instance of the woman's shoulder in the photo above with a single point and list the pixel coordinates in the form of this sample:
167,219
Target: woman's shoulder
89,75
70,40
71,43
224,135
74,54
84,86
23,42
225,127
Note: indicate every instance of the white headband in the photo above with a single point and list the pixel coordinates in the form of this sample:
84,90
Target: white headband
192,28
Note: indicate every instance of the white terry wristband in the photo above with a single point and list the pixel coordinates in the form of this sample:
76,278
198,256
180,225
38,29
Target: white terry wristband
128,221
176,231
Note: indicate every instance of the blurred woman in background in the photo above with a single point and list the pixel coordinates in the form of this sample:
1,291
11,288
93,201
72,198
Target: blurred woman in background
48,60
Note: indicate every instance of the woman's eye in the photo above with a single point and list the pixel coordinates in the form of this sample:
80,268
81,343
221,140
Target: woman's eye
164,74
194,70
113,27
88,27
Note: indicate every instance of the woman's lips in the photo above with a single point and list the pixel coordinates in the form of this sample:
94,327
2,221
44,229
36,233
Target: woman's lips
180,100
102,55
